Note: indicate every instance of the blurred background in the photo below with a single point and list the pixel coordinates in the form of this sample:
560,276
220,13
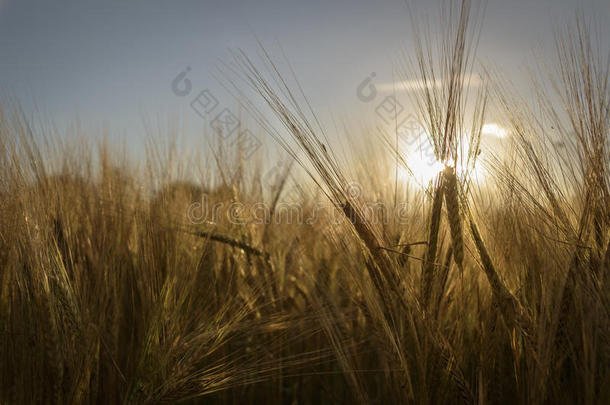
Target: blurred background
109,65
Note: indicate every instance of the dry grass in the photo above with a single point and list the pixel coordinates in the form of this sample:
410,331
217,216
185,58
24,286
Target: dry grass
109,295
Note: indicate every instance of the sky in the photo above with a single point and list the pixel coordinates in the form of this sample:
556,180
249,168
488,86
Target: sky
111,63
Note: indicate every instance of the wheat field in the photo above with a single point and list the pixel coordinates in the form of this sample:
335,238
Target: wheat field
494,293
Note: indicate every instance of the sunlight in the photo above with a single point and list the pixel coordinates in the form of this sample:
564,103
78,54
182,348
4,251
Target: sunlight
422,171
423,167
494,130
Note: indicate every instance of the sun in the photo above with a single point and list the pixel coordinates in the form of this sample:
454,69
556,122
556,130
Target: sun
495,130
422,167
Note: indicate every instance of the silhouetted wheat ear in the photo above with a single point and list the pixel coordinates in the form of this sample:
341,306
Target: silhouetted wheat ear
383,271
453,215
507,303
443,276
428,266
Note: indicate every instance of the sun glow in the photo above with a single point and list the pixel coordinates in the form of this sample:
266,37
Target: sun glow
494,130
422,167
423,172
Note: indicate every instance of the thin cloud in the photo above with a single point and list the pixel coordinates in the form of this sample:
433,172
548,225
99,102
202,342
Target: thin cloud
473,80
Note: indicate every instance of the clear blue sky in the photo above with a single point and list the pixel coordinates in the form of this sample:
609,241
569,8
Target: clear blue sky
112,61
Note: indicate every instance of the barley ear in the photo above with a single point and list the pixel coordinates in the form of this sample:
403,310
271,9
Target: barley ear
506,302
453,215
428,266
